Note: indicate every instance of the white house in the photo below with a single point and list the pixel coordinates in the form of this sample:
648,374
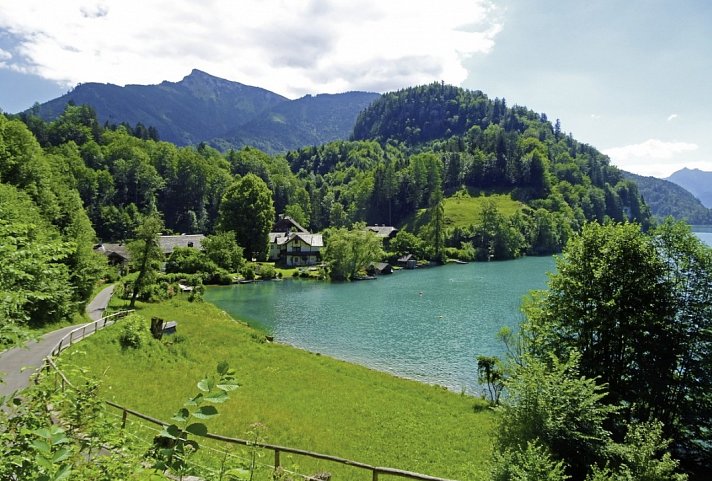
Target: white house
295,248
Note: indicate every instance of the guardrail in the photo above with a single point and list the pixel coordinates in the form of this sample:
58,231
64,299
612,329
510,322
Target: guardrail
92,328
276,449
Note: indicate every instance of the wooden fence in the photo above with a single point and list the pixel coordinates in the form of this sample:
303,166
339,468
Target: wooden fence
90,328
276,449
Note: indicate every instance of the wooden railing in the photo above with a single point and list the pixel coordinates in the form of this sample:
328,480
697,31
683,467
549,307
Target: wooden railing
91,328
276,449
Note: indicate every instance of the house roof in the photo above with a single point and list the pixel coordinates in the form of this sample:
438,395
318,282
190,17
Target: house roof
170,242
406,258
281,238
383,231
287,224
118,250
314,240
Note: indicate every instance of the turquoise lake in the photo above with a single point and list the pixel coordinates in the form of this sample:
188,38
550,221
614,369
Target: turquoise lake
425,324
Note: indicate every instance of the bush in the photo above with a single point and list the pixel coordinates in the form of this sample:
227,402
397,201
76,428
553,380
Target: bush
134,332
248,271
266,271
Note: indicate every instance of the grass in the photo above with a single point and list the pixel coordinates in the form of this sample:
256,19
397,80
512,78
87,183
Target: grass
464,210
304,400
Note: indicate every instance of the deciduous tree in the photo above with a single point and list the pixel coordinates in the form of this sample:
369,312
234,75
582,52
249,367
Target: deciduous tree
247,210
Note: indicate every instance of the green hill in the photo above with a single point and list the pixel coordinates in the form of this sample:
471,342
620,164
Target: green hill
666,198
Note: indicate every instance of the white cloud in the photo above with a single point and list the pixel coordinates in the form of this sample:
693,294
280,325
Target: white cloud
653,157
672,117
288,46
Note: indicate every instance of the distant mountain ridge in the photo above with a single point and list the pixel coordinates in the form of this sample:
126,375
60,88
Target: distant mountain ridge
696,181
665,198
226,114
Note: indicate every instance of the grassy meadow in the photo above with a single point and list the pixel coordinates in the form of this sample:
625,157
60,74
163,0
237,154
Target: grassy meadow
299,399
464,210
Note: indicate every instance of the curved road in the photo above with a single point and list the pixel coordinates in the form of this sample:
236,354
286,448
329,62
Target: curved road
18,364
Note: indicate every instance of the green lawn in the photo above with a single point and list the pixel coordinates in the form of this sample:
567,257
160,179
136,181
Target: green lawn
304,400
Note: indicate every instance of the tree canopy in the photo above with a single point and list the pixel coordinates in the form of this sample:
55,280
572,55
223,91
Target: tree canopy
248,211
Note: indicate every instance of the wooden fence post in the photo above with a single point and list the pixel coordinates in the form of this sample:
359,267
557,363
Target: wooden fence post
276,459
123,419
375,475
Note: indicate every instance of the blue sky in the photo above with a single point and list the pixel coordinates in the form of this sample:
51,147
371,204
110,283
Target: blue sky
631,78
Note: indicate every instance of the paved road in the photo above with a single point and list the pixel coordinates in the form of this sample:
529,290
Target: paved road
18,364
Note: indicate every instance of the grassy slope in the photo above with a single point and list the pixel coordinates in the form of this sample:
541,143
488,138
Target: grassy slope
305,400
463,211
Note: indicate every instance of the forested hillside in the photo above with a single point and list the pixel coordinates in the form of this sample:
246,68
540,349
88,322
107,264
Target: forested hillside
310,120
411,150
47,266
666,198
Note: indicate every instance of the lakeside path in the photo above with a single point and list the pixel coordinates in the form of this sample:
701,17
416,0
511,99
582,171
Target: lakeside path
18,364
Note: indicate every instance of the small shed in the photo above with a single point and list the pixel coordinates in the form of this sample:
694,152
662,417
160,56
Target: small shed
408,261
380,268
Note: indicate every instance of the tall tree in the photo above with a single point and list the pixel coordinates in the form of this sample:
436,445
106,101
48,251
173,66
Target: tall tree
146,253
349,252
248,210
639,310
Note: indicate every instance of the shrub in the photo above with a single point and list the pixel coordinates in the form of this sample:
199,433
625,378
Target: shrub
249,271
266,271
134,332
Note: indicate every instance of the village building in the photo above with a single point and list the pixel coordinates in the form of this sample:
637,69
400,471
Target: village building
292,245
118,254
385,232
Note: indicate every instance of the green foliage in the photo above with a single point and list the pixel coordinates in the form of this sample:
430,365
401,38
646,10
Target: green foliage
187,420
146,254
190,261
637,308
51,454
223,250
641,456
530,462
349,252
247,209
491,374
550,403
35,283
266,271
134,332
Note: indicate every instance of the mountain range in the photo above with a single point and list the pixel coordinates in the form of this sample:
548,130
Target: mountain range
225,114
696,181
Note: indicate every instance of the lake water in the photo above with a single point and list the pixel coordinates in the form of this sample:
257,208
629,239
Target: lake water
426,324
704,232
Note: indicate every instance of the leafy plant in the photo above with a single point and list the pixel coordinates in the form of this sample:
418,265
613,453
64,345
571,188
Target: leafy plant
53,451
133,332
176,447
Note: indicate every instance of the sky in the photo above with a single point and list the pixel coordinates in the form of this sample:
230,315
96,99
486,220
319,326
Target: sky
633,78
